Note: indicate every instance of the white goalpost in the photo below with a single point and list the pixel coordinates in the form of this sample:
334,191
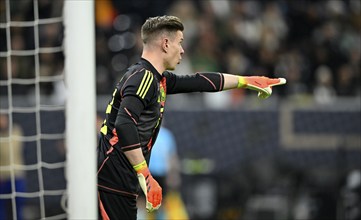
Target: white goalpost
80,108
47,183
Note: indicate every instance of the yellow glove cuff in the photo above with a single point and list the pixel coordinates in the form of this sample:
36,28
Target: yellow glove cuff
241,82
140,166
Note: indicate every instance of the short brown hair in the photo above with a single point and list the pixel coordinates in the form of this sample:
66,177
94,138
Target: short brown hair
155,25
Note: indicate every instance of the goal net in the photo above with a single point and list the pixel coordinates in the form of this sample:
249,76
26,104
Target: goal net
41,129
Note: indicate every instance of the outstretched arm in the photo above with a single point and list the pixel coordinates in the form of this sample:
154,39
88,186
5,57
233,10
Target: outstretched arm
215,82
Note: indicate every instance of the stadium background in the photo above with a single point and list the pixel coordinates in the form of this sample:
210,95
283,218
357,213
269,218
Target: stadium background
288,157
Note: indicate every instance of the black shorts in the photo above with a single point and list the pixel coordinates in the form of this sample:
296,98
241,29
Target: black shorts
113,206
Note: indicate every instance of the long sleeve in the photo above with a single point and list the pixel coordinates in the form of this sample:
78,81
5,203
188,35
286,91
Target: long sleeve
126,123
199,82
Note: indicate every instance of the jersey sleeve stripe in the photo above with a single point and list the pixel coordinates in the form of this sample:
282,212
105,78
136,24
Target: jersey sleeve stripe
206,78
143,89
130,115
141,84
145,84
146,90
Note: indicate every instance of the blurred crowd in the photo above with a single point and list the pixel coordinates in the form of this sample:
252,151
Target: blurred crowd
314,44
25,38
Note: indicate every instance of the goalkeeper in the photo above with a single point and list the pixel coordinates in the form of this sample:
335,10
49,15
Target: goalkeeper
134,115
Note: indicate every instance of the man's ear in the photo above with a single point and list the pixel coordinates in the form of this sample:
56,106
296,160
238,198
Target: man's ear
165,44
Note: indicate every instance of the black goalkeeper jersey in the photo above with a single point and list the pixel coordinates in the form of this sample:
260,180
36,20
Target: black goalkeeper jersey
133,118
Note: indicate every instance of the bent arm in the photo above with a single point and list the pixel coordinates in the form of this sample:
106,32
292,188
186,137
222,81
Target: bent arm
127,131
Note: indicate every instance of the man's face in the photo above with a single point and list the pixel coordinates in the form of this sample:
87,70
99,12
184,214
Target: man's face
175,51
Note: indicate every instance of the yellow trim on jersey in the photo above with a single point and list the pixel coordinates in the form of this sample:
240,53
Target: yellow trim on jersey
109,107
150,83
104,130
141,84
145,84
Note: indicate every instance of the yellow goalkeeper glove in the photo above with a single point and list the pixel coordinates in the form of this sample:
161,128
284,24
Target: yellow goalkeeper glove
150,187
261,84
